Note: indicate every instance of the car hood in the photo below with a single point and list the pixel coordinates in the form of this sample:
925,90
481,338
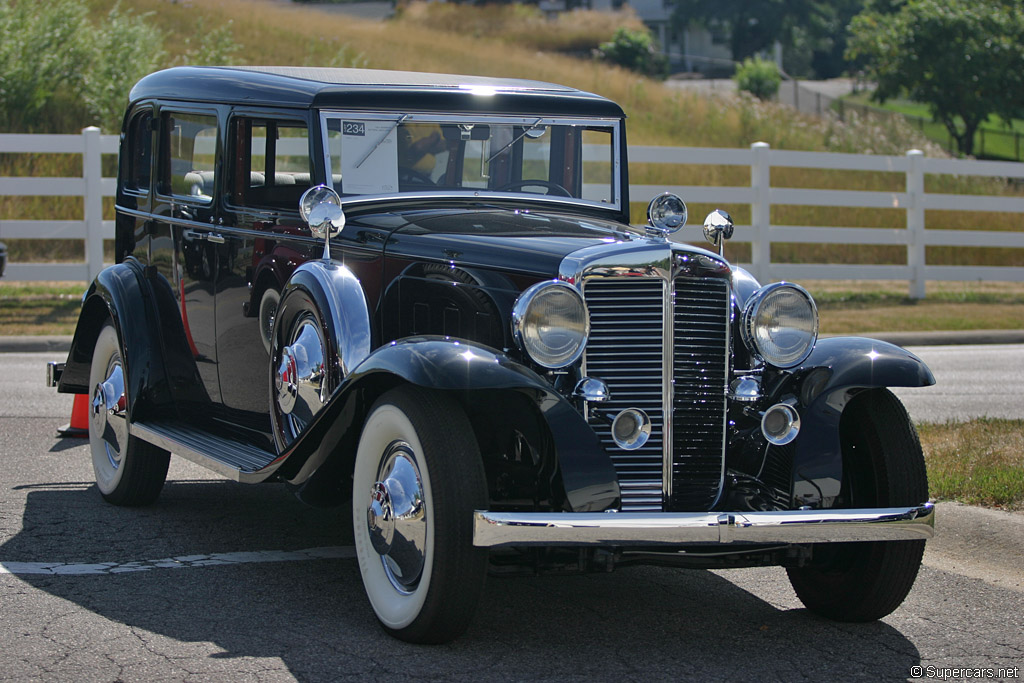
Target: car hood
527,241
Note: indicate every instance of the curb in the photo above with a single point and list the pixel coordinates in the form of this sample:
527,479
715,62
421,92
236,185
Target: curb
945,338
62,344
35,344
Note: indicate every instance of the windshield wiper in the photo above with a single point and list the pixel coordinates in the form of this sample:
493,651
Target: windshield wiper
382,139
515,140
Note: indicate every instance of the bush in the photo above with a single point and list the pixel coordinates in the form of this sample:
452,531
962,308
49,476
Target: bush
760,77
59,71
634,50
41,52
125,49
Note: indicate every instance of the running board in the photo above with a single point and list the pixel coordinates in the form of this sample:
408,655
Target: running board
231,458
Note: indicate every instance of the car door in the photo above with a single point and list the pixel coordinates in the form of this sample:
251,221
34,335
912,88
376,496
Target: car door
185,210
269,167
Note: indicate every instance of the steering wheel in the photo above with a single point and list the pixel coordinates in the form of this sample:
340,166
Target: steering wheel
552,188
408,176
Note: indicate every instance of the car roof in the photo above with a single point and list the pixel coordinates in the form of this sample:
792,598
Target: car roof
305,87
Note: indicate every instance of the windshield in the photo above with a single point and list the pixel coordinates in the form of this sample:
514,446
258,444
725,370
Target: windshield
560,158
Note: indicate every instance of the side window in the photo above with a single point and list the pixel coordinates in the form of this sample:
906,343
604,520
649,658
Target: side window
270,163
139,156
189,146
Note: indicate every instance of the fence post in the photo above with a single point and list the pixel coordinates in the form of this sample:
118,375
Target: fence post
92,174
760,212
915,222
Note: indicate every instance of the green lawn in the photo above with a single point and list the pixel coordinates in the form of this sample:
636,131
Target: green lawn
993,140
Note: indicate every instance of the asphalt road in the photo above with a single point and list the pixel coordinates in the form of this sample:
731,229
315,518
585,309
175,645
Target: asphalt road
971,381
223,581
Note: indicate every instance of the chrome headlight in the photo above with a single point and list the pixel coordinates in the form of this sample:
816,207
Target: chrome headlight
780,324
550,323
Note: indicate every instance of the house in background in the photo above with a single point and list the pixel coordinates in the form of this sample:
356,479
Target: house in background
692,50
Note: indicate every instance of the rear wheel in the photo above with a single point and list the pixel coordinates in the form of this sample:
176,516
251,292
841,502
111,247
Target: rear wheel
128,471
883,467
418,478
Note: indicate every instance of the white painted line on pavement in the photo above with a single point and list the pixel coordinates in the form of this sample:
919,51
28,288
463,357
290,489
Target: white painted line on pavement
181,562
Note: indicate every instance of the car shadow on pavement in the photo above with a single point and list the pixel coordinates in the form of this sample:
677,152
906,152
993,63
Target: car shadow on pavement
638,622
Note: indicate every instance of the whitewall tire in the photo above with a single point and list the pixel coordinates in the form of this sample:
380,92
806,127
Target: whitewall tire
128,471
417,479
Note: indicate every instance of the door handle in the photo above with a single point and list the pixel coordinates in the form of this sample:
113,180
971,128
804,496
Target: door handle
196,235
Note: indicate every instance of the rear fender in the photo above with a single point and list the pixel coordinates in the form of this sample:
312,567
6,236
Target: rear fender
122,293
463,368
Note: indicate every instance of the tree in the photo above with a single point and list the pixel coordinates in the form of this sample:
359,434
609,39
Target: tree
963,58
753,26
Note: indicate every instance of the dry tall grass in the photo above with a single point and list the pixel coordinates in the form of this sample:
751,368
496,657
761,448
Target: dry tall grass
577,32
489,41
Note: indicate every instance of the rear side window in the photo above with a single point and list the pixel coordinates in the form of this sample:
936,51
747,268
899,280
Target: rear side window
270,163
139,155
189,143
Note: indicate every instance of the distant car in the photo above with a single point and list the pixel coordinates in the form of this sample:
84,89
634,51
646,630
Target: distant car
420,296
3,258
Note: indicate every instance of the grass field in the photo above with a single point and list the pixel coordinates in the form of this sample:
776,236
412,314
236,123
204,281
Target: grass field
995,138
980,462
845,307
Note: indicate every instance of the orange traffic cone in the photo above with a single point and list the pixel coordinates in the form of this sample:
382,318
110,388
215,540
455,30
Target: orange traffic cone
79,425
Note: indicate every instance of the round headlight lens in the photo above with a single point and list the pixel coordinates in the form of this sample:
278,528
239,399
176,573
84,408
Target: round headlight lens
550,323
780,324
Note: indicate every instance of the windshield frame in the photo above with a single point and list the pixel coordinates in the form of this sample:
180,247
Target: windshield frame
612,123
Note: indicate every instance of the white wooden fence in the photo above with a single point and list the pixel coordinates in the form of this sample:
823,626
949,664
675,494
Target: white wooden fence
759,195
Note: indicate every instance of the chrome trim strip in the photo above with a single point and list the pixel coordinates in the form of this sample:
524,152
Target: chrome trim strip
668,384
725,388
496,529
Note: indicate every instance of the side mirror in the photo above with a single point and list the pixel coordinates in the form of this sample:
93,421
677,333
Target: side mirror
718,227
320,207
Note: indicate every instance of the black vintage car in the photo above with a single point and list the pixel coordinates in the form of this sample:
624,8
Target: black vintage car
420,295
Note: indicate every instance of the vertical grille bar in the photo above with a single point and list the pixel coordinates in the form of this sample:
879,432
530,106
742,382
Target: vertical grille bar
626,349
700,376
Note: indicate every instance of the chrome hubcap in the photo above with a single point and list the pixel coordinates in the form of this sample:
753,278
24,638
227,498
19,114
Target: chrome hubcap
396,517
108,416
301,374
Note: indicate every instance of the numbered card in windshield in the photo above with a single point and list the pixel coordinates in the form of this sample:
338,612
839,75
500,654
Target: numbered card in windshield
369,157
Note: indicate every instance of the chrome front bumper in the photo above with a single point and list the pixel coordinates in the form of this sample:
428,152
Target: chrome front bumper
495,529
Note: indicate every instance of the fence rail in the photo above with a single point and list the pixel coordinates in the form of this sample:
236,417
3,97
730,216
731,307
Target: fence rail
760,195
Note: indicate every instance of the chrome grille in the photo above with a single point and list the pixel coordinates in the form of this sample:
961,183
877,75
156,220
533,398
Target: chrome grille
626,350
700,377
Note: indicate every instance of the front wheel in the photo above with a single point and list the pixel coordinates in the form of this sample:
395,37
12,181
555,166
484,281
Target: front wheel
883,466
418,478
128,471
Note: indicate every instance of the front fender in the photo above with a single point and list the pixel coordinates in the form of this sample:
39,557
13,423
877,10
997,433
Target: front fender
460,366
837,369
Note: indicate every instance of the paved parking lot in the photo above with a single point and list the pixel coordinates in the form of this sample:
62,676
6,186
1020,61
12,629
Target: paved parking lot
223,581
